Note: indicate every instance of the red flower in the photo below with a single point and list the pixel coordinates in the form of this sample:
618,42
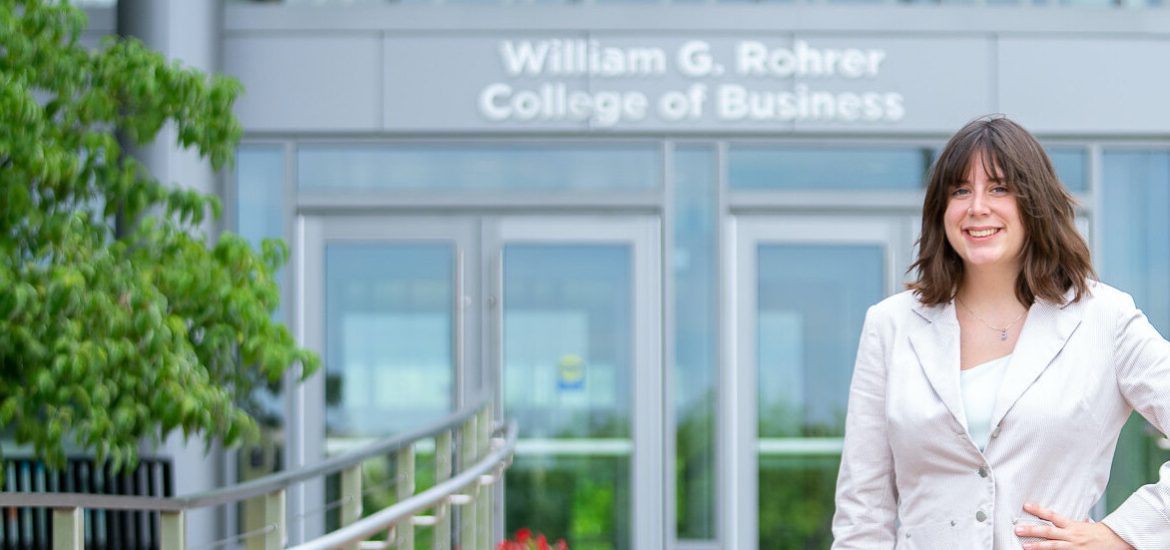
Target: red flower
525,541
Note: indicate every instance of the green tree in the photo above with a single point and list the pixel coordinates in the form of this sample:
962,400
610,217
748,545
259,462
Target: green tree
119,320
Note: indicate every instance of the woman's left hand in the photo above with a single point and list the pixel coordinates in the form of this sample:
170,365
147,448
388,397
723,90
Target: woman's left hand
1065,533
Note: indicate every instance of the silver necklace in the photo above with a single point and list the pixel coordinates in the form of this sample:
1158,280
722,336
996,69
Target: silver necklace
1003,335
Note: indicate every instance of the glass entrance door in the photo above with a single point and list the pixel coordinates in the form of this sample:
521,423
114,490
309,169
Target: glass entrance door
579,355
802,287
387,304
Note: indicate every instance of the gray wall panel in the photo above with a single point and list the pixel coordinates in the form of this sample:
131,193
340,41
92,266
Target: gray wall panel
307,81
396,69
751,82
943,82
433,82
694,17
1081,85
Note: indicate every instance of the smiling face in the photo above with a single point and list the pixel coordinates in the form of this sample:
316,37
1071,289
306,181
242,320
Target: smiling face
994,206
982,219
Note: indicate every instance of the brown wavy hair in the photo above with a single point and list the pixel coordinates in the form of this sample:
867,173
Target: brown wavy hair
1054,257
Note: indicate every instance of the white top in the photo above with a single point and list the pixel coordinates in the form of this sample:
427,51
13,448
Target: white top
980,386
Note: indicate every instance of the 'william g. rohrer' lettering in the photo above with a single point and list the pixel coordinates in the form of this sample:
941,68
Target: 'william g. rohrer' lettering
579,57
755,59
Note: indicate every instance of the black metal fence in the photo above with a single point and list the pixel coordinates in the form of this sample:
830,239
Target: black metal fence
32,528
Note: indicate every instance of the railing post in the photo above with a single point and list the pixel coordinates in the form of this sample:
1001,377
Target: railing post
468,453
172,531
68,529
274,511
351,497
442,529
484,498
404,531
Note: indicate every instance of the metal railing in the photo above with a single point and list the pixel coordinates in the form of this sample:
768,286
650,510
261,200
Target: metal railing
484,452
30,528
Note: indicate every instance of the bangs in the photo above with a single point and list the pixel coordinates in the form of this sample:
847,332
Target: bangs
953,169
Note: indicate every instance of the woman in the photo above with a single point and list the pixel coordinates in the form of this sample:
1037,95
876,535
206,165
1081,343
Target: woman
987,400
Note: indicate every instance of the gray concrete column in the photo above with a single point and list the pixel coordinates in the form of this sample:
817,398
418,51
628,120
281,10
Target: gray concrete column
188,31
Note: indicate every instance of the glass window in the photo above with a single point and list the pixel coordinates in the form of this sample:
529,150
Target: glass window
1093,3
1136,218
1136,258
817,167
568,348
259,215
567,339
260,198
583,499
1071,167
812,304
389,336
494,166
695,332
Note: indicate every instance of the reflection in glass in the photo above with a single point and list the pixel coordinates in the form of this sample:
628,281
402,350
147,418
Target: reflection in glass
481,166
388,336
1071,163
796,503
820,167
260,192
568,339
1136,251
1071,168
694,270
567,375
812,303
585,500
1135,196
260,215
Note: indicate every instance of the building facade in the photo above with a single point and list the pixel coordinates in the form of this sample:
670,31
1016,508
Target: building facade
652,230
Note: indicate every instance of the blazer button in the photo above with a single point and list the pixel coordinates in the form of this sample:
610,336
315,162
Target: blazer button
980,516
983,471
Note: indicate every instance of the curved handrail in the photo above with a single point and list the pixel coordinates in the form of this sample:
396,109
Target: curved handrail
248,489
391,515
269,483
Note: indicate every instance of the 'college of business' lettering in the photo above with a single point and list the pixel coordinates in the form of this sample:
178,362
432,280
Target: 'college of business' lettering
727,92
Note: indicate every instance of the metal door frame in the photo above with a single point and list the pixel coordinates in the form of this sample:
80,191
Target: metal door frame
644,234
738,421
305,412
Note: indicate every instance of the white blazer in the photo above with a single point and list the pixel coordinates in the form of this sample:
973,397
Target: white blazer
912,478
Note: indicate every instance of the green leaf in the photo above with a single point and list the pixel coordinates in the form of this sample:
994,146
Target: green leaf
127,302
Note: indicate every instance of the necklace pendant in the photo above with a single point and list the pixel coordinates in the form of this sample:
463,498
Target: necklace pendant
1003,335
